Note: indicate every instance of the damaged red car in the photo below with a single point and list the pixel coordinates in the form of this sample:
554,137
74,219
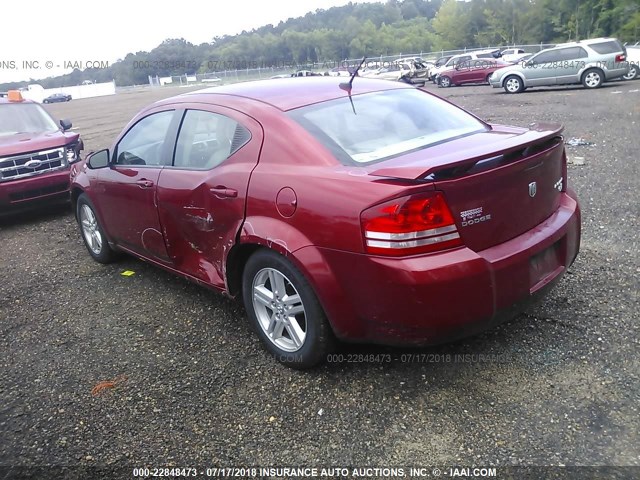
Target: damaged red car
371,212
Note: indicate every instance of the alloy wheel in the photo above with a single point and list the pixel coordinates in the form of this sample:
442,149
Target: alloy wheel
90,229
279,309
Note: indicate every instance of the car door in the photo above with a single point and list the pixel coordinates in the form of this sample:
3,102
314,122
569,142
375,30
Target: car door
202,195
568,69
542,69
127,188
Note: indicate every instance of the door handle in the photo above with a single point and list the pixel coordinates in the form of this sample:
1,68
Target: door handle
222,191
144,183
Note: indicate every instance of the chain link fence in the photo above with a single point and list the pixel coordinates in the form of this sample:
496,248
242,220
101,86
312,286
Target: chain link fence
225,76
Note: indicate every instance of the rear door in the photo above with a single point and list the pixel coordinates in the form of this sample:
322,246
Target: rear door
202,194
571,62
127,188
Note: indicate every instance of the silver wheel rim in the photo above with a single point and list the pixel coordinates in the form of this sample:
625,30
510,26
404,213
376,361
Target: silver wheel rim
279,310
513,85
633,72
444,82
90,231
592,79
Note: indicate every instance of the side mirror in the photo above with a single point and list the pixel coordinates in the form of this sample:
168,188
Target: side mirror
66,125
99,159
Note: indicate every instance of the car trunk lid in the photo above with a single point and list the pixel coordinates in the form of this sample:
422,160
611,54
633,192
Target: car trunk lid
498,184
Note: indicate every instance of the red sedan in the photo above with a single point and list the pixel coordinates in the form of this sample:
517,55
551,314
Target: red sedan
380,213
471,71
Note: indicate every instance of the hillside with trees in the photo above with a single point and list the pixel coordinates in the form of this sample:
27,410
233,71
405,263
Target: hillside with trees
373,29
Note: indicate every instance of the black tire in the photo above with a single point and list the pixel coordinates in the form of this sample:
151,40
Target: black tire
513,84
487,79
318,338
444,81
592,78
96,241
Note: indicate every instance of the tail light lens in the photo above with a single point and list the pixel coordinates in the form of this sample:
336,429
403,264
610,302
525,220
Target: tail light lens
620,57
410,225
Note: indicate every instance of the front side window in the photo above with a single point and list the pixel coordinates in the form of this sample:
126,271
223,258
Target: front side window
24,118
547,57
207,139
386,124
142,144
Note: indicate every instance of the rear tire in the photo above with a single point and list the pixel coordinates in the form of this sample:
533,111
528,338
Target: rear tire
592,78
92,232
488,79
284,311
513,84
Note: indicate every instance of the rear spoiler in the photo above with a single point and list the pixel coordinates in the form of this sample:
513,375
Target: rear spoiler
501,144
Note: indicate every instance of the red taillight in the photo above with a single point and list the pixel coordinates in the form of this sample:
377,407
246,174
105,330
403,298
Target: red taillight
410,225
621,58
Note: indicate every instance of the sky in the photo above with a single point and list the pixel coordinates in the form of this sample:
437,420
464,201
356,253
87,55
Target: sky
59,34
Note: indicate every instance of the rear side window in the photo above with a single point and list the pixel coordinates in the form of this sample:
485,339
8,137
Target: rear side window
385,124
611,46
573,53
207,139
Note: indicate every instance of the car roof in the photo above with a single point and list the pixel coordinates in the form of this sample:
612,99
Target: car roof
290,93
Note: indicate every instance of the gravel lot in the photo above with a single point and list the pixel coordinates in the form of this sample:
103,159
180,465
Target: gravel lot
562,387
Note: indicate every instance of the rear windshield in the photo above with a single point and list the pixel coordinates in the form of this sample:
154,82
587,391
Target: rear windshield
24,118
610,46
385,124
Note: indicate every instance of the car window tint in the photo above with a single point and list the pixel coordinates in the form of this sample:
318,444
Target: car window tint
207,139
610,46
573,53
142,144
546,57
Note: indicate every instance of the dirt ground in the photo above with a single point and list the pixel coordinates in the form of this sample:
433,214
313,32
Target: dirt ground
558,385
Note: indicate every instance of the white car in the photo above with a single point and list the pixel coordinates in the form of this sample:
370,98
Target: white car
513,55
633,57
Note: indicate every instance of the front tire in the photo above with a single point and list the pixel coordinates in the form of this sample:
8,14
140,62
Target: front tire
592,78
513,84
92,232
444,82
284,311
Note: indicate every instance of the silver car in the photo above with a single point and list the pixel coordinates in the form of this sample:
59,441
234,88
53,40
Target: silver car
590,62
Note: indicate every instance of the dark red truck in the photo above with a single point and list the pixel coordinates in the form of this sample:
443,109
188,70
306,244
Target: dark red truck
35,154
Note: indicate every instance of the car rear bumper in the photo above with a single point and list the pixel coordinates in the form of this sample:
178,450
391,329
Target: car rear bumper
432,299
32,191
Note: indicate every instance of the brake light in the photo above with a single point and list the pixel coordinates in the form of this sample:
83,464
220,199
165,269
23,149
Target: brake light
410,225
621,58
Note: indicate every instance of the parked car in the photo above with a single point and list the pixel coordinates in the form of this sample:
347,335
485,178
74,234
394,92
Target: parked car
393,71
492,53
367,212
35,154
471,71
431,74
633,57
512,55
57,97
590,62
